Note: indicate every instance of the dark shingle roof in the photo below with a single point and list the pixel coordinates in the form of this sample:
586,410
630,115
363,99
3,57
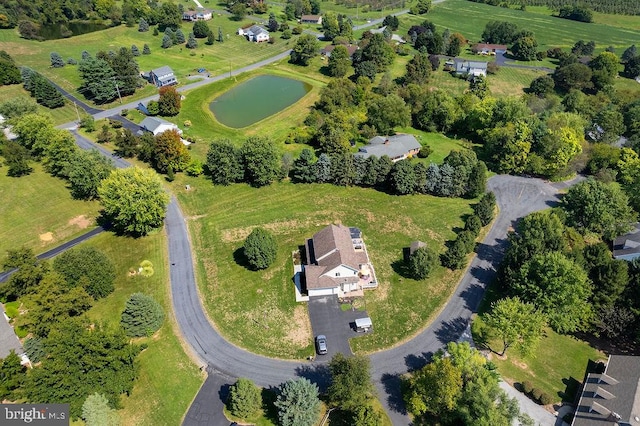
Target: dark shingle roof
392,146
611,398
8,339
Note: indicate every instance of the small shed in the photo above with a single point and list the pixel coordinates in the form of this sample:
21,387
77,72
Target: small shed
363,324
408,251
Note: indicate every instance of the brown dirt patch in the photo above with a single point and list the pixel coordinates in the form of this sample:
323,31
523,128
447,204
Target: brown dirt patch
300,329
81,221
46,237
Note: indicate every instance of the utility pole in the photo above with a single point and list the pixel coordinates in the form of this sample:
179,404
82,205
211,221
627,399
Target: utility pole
117,88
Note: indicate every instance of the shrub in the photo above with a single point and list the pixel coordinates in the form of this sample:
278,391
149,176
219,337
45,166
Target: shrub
425,151
142,316
536,394
527,387
34,348
88,123
473,224
260,248
422,262
87,267
468,240
245,398
546,399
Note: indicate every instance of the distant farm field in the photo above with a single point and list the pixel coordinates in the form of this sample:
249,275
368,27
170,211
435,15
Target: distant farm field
244,303
38,212
469,19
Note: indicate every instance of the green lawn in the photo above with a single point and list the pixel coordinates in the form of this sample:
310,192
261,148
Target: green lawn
234,53
257,310
168,379
59,115
555,366
37,211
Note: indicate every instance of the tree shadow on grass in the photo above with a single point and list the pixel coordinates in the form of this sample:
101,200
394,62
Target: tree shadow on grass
401,268
241,259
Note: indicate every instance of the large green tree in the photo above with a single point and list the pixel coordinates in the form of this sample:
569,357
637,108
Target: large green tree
298,403
85,171
260,160
305,49
558,287
86,359
87,267
170,152
516,324
339,62
351,384
594,206
98,80
30,272
224,162
387,112
422,262
133,200
97,412
169,102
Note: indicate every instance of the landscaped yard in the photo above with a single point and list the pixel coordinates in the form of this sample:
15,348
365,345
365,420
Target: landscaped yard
38,212
257,310
555,367
168,379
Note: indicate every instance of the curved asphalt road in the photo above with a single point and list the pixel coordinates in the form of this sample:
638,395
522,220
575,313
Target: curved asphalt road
516,198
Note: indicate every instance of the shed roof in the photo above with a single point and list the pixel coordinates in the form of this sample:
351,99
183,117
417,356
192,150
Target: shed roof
152,123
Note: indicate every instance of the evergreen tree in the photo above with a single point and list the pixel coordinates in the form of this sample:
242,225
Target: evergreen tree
422,262
16,157
126,71
484,208
456,255
201,29
97,80
143,26
146,50
142,316
192,43
273,23
126,144
260,248
96,411
167,42
220,37
85,55
322,168
298,403
12,375
56,60
245,398
179,36
630,52
134,50
89,267
303,167
210,38
9,72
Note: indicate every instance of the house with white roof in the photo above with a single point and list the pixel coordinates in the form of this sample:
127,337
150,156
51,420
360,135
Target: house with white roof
396,147
254,33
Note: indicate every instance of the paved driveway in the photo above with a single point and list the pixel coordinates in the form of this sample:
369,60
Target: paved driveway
327,318
207,408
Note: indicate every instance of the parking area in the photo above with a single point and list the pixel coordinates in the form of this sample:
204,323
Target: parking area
327,318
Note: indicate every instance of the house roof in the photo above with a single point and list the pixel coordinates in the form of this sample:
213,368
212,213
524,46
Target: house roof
310,17
163,72
8,339
489,46
463,63
378,30
153,123
393,146
351,48
330,248
627,245
612,397
257,29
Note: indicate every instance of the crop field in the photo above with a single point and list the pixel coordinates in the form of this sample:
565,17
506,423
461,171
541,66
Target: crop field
549,31
244,303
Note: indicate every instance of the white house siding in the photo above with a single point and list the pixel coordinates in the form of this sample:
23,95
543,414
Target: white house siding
322,292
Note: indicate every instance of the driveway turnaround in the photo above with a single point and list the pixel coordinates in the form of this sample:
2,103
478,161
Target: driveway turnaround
207,408
327,318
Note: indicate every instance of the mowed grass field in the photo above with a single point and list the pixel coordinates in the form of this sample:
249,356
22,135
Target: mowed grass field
469,19
554,366
38,212
168,379
257,310
218,58
59,115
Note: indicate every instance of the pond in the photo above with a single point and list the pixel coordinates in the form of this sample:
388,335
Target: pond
56,31
257,99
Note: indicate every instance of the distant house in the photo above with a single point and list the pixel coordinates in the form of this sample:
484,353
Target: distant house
197,15
611,397
326,51
488,49
337,262
254,33
470,68
311,19
163,76
8,339
627,246
396,147
157,125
